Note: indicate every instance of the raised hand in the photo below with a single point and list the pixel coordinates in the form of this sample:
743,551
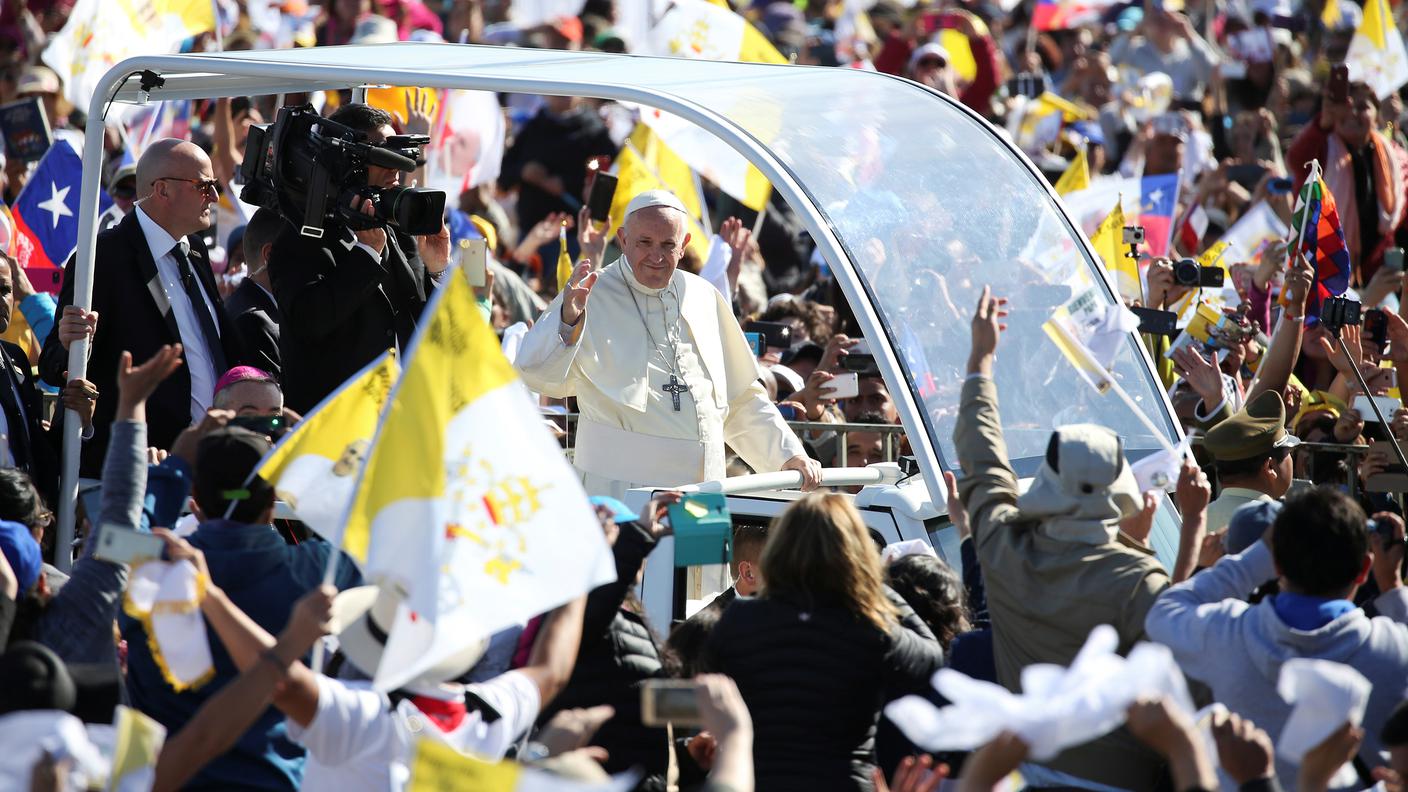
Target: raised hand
311,619
738,237
1299,280
957,513
418,112
987,328
135,384
579,288
1202,374
590,238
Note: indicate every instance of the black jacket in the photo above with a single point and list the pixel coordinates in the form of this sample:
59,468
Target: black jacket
814,680
618,653
256,317
31,447
342,307
130,318
562,144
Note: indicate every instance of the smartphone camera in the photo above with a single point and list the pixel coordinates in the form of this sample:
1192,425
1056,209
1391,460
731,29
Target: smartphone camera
1339,312
1188,272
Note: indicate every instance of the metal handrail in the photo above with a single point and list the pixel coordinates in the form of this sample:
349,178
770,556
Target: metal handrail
879,473
888,432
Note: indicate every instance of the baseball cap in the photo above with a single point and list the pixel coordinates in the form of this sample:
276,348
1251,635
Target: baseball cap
224,460
1248,524
1255,430
807,350
929,50
620,512
22,551
375,30
39,80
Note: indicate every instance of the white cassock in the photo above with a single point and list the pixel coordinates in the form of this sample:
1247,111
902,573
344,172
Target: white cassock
632,340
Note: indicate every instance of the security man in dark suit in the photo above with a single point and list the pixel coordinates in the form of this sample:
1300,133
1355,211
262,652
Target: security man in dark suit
350,295
152,286
252,307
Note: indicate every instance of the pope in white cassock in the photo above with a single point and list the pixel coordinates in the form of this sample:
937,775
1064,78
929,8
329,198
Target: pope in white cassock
662,373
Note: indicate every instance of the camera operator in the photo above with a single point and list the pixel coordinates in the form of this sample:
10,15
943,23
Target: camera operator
352,294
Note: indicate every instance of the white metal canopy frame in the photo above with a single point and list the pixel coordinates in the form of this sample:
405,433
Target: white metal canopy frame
913,200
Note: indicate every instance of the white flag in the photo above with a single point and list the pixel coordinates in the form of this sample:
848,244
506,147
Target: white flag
466,504
1376,53
101,33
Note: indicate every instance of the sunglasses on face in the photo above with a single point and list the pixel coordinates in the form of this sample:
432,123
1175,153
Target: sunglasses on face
211,186
931,63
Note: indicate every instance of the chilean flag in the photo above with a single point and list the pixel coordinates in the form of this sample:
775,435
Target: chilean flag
1158,195
46,214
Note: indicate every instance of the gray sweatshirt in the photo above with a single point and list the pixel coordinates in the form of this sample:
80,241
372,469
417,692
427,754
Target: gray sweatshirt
1238,649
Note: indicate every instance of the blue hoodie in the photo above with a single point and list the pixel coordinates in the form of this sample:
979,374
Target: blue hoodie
1238,649
264,576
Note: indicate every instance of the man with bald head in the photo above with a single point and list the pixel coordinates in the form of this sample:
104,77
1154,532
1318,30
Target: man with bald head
152,286
662,373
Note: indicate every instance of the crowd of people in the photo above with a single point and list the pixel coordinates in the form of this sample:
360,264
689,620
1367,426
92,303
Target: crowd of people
682,362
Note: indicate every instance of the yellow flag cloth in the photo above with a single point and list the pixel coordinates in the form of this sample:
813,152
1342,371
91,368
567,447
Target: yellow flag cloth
1077,175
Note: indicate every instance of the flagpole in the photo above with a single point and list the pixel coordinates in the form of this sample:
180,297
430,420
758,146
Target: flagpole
219,39
1304,221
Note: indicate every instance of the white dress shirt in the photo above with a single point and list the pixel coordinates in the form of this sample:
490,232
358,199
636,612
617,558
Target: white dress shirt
199,360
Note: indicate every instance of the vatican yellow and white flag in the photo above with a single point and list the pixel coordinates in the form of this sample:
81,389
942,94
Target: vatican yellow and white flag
467,506
710,156
705,31
1376,54
314,467
101,33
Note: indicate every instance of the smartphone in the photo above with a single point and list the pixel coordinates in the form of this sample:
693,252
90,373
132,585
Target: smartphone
789,412
860,347
842,386
600,198
1393,478
1393,259
777,334
859,363
474,260
1155,322
1337,90
1246,175
665,702
91,499
271,426
1279,186
1387,405
757,343
1375,328
120,545
1025,84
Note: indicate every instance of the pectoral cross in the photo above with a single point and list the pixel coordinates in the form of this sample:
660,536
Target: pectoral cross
674,387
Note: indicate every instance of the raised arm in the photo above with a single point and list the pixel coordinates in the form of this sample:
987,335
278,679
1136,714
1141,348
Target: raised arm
555,651
1280,358
987,480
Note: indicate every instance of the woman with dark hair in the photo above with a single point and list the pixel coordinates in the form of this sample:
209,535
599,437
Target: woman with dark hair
820,650
935,592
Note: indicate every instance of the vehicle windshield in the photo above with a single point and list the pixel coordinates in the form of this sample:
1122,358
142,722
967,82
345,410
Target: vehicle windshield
926,200
931,205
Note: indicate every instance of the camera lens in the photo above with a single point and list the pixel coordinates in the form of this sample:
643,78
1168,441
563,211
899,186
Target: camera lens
1186,272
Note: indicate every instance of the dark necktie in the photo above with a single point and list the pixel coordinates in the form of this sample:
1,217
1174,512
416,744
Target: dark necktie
207,322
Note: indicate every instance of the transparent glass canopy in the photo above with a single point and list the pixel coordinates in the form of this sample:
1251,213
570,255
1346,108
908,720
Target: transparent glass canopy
915,202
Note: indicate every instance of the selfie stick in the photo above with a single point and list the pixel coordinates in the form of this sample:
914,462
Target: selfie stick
1373,403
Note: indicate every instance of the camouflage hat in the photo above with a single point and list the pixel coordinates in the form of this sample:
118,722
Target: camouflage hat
1255,430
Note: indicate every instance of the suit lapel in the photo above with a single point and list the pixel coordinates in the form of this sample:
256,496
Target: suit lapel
146,270
14,412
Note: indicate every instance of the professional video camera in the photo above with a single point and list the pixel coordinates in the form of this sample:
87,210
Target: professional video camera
310,169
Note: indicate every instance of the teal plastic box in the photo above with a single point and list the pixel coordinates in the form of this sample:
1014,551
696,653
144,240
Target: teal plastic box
703,530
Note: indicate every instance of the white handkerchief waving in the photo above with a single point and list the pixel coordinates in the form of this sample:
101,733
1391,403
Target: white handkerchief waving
1058,707
165,597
